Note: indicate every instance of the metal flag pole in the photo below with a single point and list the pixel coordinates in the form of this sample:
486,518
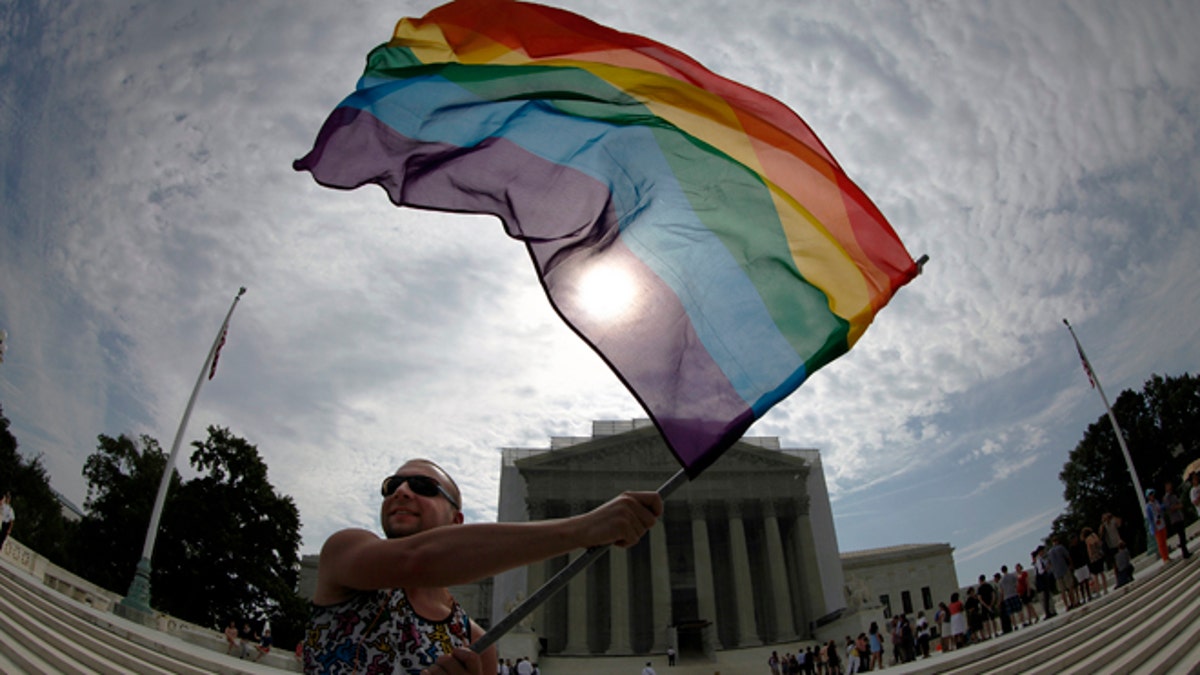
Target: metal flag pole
136,603
1087,366
561,579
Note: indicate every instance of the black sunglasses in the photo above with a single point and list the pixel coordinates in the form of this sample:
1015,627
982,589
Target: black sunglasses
421,485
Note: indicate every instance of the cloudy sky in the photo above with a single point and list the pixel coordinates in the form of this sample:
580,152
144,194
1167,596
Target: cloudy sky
1044,154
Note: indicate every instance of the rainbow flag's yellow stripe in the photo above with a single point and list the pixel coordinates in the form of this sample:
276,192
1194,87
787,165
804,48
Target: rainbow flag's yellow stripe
747,258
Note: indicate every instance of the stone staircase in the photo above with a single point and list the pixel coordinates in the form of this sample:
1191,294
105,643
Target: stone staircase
43,631
1150,627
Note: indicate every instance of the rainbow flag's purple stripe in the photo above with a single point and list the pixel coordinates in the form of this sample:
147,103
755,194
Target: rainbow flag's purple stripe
749,258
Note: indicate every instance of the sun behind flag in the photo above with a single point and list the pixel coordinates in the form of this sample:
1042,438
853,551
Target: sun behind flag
693,231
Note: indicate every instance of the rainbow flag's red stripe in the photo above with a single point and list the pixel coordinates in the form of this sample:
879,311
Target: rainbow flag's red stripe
749,259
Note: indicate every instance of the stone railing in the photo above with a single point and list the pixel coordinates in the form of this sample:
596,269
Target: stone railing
87,593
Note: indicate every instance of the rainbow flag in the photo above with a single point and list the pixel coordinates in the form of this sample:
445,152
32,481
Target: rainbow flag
694,231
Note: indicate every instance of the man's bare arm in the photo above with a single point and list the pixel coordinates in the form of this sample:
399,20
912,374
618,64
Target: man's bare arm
354,560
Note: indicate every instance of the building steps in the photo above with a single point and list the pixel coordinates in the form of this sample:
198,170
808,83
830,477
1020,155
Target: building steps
1150,626
82,641
42,631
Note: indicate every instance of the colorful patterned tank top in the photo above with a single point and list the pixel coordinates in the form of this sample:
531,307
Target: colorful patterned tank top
377,633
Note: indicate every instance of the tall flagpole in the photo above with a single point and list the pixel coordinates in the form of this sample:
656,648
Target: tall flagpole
136,604
1087,367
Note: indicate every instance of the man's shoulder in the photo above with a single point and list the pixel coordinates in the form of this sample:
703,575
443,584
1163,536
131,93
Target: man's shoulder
349,536
343,541
337,551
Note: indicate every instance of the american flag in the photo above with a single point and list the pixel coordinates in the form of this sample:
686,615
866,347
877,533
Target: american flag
217,354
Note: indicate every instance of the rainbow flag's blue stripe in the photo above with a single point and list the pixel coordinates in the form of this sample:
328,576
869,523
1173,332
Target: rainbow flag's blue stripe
748,258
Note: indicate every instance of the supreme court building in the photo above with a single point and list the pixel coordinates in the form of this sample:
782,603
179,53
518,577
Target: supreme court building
745,555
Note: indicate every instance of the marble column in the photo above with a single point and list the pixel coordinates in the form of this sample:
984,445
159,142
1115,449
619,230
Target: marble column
706,596
808,568
577,604
535,574
742,585
618,617
781,595
660,584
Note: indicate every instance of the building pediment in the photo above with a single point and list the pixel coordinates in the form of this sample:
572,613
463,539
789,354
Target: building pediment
643,451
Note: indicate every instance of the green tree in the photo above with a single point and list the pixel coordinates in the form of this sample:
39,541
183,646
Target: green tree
123,477
232,546
1160,425
40,523
228,543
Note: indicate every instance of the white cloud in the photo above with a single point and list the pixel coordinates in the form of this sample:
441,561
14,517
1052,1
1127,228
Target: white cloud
1030,528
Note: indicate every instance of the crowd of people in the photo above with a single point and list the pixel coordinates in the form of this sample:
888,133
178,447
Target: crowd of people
909,640
522,666
1074,566
820,660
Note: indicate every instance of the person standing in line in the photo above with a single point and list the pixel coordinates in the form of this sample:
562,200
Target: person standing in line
958,621
923,635
894,630
1012,598
875,643
942,619
1027,593
1095,550
974,616
1174,509
1060,565
1044,580
1124,566
1110,536
1156,524
1080,569
851,656
997,605
835,661
987,601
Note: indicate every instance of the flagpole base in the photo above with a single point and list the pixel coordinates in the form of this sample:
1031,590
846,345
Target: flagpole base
135,606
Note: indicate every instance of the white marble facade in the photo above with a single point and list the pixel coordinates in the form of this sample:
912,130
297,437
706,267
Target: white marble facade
746,554
905,579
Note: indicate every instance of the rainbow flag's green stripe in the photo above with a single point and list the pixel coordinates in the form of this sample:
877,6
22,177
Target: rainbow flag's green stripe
751,259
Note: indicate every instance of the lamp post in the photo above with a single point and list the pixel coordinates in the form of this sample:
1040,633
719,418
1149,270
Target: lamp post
136,603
